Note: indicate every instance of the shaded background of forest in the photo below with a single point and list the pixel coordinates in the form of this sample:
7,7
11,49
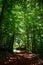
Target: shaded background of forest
21,25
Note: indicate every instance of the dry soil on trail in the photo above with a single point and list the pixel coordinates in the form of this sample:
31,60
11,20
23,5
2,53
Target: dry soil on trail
21,58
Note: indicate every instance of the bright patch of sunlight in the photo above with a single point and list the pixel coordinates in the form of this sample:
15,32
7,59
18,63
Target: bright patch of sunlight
13,11
16,51
38,17
10,33
40,24
10,19
17,7
21,30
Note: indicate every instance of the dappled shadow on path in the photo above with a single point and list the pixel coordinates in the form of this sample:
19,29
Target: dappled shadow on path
19,59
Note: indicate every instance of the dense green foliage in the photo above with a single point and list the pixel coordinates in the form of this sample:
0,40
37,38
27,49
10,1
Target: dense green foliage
22,24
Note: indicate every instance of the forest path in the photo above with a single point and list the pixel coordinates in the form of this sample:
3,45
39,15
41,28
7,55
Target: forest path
21,58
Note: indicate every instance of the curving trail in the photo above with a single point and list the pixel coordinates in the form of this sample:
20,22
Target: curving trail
21,58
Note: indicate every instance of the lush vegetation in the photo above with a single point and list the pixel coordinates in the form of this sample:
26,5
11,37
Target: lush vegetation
21,25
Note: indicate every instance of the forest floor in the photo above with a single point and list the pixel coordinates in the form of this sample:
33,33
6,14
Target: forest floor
21,58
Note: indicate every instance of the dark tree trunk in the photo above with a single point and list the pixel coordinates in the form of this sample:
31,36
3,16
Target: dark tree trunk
3,7
10,43
33,44
1,17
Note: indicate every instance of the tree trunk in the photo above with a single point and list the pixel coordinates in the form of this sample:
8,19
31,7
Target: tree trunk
1,17
33,44
3,7
10,43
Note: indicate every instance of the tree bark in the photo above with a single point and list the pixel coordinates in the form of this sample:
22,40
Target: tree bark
1,17
10,43
3,7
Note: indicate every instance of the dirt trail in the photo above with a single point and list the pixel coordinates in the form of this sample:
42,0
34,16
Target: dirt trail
21,58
